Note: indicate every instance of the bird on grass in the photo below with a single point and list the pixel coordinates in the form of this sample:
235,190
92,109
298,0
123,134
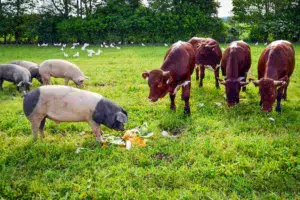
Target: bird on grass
76,54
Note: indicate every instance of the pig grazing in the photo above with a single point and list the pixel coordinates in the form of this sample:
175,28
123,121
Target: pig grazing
61,69
33,68
68,104
17,75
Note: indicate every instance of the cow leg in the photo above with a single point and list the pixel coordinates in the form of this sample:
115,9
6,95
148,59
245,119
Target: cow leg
260,102
244,88
279,95
197,72
67,81
42,125
284,96
97,131
1,83
186,97
172,98
202,75
217,74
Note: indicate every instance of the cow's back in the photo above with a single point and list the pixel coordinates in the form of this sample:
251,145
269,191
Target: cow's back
236,60
277,60
180,59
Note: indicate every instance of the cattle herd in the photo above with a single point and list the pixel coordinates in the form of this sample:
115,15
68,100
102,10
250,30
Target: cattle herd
68,104
275,67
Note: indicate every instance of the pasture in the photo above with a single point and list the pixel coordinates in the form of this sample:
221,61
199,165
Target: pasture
221,152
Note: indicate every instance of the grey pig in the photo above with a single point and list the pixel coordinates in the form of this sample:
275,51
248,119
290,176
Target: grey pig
33,68
16,74
68,104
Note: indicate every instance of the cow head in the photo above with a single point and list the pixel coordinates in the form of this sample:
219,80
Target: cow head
232,90
268,91
203,51
159,83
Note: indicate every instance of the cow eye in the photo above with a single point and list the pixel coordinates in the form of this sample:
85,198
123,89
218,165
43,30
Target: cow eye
159,85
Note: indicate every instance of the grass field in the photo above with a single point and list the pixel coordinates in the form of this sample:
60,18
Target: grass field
221,153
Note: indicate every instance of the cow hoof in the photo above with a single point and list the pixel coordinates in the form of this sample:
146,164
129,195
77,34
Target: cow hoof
278,109
244,89
187,111
201,85
218,87
197,79
173,108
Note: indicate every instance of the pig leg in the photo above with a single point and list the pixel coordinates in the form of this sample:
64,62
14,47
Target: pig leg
279,95
172,98
42,125
197,72
46,80
67,81
202,75
186,97
217,71
97,131
1,82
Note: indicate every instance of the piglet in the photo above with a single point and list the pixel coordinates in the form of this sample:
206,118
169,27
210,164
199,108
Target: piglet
68,104
61,69
16,74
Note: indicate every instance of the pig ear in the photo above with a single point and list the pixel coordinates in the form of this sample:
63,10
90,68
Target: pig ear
167,77
19,84
146,75
121,117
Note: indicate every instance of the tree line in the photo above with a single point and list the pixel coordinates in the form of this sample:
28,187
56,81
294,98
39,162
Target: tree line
95,21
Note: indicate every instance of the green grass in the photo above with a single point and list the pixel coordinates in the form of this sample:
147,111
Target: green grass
221,153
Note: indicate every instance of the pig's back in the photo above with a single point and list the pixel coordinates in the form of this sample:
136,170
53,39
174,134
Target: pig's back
58,68
66,104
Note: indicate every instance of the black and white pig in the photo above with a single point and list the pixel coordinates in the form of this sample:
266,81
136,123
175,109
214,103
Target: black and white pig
68,104
17,75
33,68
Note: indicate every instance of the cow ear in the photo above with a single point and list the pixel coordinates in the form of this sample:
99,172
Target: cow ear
244,83
285,78
146,75
209,47
221,81
167,77
255,82
279,83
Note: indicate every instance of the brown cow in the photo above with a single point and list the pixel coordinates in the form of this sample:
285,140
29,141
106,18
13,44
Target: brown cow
235,65
275,67
175,72
208,55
